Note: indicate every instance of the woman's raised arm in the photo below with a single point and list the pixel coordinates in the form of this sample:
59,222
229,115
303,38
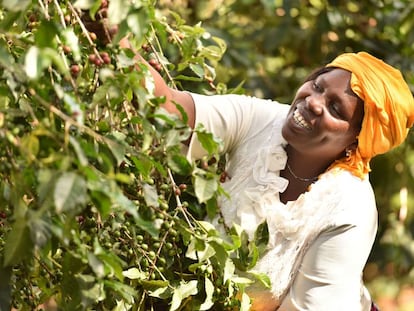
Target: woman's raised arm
172,96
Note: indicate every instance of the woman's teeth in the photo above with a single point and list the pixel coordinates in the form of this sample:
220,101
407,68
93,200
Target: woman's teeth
299,120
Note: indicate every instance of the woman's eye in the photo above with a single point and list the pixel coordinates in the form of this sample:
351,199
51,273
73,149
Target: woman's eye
335,109
317,87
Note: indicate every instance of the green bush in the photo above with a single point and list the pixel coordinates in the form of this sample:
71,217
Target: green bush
100,209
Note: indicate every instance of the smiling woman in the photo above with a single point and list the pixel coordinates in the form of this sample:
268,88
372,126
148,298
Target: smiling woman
322,125
303,171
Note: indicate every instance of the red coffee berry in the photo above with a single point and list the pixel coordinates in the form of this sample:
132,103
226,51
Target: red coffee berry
98,62
106,60
92,58
223,177
75,69
93,36
105,57
153,62
32,18
158,67
66,49
146,47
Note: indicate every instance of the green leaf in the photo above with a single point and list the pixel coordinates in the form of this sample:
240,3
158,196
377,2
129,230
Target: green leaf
143,164
179,164
212,207
39,229
175,137
112,263
73,107
194,246
35,63
207,226
6,60
96,265
84,4
261,237
134,274
71,40
150,195
83,160
51,54
228,271
138,23
102,201
44,36
241,280
9,19
205,187
18,243
125,291
262,277
123,202
209,289
184,290
16,5
162,292
30,146
118,149
118,11
152,285
206,253
208,141
245,302
69,192
197,69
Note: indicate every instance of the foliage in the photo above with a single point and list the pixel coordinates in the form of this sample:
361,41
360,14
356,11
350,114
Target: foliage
273,45
100,209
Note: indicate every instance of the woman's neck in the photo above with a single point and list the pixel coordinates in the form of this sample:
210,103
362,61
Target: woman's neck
301,170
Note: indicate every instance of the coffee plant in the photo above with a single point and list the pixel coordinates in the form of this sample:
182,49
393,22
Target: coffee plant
100,208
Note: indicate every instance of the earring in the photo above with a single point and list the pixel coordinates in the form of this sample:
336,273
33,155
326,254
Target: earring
348,153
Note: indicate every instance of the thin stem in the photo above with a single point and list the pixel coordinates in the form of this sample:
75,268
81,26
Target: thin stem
84,30
178,199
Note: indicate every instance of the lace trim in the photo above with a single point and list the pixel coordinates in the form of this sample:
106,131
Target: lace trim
254,197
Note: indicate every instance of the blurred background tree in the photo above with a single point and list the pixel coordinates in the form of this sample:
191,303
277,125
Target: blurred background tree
273,44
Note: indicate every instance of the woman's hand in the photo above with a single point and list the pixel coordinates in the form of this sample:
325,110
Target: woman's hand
262,300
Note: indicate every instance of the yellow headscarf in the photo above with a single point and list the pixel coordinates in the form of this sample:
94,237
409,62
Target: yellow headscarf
388,108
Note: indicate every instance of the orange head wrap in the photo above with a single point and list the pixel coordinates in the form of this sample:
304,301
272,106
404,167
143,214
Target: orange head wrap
388,108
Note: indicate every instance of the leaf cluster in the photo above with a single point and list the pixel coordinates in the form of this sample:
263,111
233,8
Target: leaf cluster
100,208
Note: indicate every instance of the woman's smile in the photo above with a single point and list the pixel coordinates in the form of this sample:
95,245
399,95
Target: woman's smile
325,116
300,120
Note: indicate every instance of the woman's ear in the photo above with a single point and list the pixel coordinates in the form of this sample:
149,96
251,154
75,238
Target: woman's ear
353,146
351,149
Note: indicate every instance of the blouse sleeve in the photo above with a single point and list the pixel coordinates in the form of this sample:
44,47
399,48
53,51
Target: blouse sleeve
329,277
231,118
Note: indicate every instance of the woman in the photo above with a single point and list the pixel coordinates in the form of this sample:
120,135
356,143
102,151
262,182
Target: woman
304,170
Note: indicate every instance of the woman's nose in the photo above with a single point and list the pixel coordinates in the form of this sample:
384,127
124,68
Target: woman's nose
315,104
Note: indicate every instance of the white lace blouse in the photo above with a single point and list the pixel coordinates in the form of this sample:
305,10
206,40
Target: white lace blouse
318,244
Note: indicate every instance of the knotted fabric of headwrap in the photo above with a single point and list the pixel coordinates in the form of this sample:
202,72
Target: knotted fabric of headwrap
388,108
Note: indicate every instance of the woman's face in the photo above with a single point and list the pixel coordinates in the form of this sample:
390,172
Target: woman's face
325,117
